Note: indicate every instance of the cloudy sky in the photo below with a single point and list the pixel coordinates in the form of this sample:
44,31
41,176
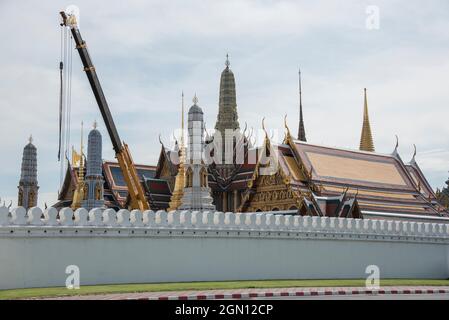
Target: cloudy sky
147,52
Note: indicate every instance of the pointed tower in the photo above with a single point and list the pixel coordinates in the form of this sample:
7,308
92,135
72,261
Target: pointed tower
227,124
28,188
227,106
366,139
94,183
197,194
178,190
301,128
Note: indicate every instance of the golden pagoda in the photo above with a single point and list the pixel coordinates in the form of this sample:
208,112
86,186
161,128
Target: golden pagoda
178,192
366,139
78,195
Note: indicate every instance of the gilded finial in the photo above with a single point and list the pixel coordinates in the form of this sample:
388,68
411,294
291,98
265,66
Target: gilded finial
227,63
195,100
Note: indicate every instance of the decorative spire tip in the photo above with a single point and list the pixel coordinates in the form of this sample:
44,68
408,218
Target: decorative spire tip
227,63
195,100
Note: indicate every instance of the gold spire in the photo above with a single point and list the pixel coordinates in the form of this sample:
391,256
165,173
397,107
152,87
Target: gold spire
76,157
78,195
178,191
366,139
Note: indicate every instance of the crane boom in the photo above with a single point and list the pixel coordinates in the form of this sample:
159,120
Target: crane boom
122,153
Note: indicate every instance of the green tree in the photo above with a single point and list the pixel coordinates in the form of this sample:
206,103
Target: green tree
443,195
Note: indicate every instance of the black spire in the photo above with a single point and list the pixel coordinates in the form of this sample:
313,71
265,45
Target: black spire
301,128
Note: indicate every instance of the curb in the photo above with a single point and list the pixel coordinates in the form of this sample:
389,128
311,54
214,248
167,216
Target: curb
300,293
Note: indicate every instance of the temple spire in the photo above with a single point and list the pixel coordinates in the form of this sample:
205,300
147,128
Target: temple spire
366,139
178,191
93,189
28,186
227,104
301,128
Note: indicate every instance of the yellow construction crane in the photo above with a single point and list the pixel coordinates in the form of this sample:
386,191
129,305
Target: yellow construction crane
122,153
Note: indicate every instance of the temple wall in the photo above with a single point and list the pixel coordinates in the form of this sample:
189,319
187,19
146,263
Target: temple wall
135,247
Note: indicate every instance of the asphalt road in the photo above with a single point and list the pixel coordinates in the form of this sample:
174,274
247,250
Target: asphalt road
367,297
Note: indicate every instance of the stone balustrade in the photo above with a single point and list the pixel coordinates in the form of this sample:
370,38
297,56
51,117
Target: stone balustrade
262,224
36,246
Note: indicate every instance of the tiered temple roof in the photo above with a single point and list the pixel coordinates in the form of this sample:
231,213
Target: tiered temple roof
382,183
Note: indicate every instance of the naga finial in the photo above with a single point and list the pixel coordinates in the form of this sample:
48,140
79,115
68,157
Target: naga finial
160,140
286,125
263,127
414,154
397,145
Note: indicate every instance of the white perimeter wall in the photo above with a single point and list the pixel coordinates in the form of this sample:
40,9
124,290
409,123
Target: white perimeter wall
137,247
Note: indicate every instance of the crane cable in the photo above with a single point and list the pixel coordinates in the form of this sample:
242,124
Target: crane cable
65,97
61,101
69,93
61,67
